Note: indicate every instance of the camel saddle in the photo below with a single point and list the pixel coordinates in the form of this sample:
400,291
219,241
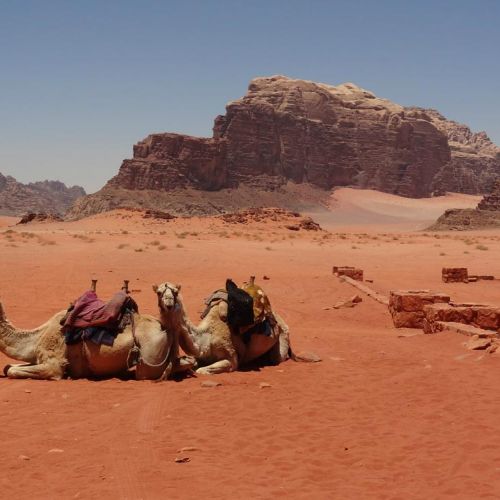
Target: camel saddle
249,309
93,319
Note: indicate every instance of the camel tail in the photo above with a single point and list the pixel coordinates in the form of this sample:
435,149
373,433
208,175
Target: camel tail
3,317
304,357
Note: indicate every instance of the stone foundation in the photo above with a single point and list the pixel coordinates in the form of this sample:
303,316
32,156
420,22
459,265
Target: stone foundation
351,272
455,275
407,306
486,317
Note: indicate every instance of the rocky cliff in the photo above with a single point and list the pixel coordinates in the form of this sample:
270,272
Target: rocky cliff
287,132
475,160
485,215
47,196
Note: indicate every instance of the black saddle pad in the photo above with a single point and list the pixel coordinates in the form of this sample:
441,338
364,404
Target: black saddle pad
239,306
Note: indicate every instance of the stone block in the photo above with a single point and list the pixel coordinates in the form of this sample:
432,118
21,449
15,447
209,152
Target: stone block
482,316
351,272
455,275
407,306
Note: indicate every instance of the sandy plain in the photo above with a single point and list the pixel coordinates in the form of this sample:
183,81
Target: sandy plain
387,414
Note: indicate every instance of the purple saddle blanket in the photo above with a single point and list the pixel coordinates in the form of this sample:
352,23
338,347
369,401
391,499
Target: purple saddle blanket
93,319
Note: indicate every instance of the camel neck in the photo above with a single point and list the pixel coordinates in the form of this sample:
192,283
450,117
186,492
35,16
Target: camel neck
178,318
16,343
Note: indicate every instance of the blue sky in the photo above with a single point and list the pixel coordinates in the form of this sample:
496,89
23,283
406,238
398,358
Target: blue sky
82,81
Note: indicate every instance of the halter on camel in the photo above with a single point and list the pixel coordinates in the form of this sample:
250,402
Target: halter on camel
171,302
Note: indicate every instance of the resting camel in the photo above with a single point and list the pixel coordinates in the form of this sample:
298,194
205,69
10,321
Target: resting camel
46,356
219,350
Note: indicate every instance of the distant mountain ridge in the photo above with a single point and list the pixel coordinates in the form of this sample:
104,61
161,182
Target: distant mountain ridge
54,197
286,133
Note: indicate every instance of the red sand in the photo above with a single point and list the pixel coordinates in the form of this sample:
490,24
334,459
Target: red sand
383,416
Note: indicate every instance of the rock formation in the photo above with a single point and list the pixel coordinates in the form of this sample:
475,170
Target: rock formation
39,217
47,196
475,160
487,214
285,133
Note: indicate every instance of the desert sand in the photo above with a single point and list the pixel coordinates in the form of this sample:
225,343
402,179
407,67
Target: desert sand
387,414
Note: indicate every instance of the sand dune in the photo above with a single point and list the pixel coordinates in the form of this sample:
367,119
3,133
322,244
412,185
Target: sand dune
365,209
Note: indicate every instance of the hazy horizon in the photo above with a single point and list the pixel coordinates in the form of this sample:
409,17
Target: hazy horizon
84,81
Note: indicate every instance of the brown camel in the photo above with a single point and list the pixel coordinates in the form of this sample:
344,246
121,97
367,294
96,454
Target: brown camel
46,356
219,350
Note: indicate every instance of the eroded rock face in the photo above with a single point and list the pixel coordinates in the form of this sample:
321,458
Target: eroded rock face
310,133
475,160
52,197
491,201
298,130
486,215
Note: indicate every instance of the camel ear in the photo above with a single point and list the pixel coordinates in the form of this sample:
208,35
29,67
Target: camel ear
155,288
178,286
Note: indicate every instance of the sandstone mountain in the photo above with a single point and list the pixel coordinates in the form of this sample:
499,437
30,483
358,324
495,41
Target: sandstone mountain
47,196
288,142
475,160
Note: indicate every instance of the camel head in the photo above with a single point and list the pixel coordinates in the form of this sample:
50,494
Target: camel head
168,296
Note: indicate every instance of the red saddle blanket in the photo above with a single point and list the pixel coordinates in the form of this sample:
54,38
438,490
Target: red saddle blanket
89,310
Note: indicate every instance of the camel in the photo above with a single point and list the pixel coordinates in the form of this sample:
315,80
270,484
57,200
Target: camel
218,349
46,356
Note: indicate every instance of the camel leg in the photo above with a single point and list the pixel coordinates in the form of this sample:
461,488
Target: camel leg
223,366
284,346
44,371
187,344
